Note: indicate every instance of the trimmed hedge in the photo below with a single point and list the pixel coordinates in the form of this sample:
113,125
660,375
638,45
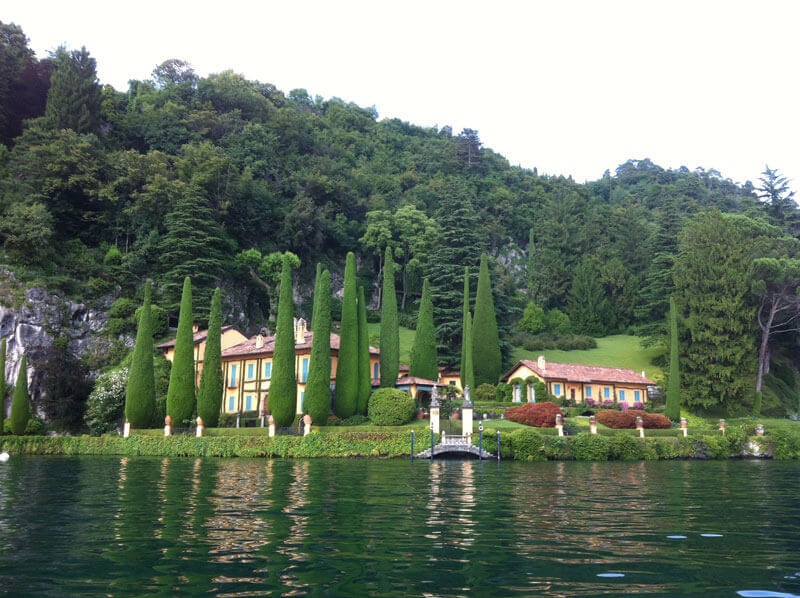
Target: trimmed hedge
627,419
390,407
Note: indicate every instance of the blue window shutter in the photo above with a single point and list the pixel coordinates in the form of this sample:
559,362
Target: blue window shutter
248,403
557,389
302,397
606,392
622,395
635,395
231,403
375,371
305,369
268,370
589,392
233,376
249,371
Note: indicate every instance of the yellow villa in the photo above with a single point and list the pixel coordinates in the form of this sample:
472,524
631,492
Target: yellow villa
230,337
247,368
579,383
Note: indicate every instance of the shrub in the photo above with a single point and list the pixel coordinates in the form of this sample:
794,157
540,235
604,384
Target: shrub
626,448
651,420
504,392
527,445
33,427
591,447
785,443
485,393
533,319
548,340
627,419
390,407
540,415
558,321
354,420
105,406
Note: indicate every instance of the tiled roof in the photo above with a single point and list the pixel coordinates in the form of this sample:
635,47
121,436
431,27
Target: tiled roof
417,381
199,337
248,347
572,372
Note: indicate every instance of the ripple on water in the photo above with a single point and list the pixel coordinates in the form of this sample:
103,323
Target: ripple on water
610,575
765,594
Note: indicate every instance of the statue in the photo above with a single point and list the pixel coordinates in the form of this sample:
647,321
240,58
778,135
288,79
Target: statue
467,399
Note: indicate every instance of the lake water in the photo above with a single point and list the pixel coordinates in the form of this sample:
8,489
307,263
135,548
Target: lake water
361,527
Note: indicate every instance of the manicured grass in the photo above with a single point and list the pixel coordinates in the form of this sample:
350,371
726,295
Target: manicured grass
406,340
620,350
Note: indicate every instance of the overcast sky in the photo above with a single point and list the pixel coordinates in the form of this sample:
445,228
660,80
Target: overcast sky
567,87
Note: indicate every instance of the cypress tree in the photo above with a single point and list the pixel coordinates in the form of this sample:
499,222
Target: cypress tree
467,375
283,389
673,407
424,359
757,404
346,396
20,403
486,358
364,375
318,388
180,395
465,340
209,395
140,392
390,331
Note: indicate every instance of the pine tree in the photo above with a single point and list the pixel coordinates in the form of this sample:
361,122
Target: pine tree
673,408
283,389
317,400
467,375
346,393
364,374
140,393
486,358
20,403
209,395
465,340
390,331
588,308
424,359
181,393
74,98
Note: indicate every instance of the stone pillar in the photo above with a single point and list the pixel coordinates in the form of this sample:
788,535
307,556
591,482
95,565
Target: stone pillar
435,410
760,430
684,427
466,415
126,429
592,424
560,424
640,426
168,426
722,426
271,426
306,424
200,427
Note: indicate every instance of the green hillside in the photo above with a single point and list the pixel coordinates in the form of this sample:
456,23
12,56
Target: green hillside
619,350
406,340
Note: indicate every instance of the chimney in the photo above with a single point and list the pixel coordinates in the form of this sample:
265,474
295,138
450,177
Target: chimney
643,376
195,328
259,341
300,330
542,363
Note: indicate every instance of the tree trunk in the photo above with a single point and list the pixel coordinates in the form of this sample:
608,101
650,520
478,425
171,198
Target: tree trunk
763,352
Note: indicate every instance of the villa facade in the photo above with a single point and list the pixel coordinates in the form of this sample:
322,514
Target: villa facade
230,336
579,383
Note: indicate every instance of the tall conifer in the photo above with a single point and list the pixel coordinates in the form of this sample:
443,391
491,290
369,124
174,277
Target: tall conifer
283,389
673,407
209,395
486,358
181,393
424,359
364,374
346,395
465,340
20,403
140,392
467,375
74,98
390,331
317,400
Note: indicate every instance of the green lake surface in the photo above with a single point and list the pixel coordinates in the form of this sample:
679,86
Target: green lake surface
100,526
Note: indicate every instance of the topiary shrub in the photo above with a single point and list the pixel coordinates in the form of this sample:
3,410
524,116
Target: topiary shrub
627,419
390,407
591,447
539,415
484,393
651,421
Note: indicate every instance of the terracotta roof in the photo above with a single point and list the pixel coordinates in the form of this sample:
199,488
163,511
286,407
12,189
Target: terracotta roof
417,381
448,373
199,337
404,368
581,373
248,347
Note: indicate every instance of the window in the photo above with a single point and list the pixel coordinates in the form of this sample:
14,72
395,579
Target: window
621,395
452,382
636,395
588,392
557,390
517,393
302,397
268,370
304,377
531,393
248,403
233,376
606,393
231,403
375,371
249,371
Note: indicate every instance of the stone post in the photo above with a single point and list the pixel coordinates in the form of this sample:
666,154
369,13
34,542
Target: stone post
306,424
200,427
760,430
238,417
593,424
640,426
126,429
466,415
560,424
722,426
435,410
168,426
271,426
684,427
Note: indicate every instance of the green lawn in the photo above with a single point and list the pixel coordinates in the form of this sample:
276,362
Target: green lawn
620,350
406,340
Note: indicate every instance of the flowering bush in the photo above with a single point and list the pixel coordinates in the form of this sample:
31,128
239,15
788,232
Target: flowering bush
627,419
540,415
105,407
638,405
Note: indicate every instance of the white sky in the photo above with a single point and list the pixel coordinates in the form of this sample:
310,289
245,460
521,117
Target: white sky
568,87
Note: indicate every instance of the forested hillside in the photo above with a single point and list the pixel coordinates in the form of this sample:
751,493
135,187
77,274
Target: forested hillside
215,177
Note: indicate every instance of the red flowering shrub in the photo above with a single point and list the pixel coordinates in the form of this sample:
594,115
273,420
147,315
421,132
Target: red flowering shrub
627,419
541,415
